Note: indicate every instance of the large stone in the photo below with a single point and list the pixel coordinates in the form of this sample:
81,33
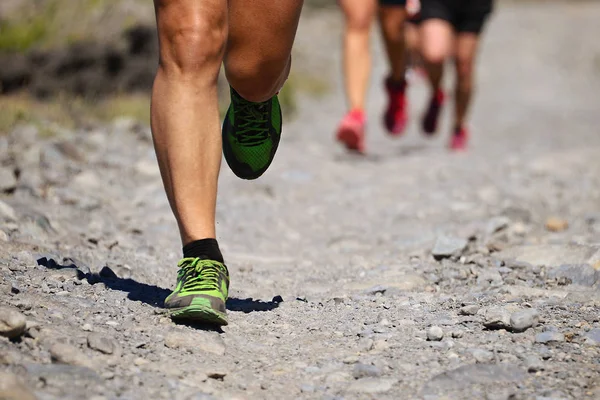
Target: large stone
473,374
193,342
12,323
578,274
522,320
12,388
447,246
552,255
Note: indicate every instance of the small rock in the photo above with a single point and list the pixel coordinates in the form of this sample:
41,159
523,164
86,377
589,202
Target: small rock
218,375
457,334
8,180
470,309
7,213
522,320
101,343
549,337
435,334
63,353
139,361
533,363
12,388
209,342
365,370
372,385
555,224
3,236
12,323
307,389
496,224
446,246
593,337
496,318
87,327
482,356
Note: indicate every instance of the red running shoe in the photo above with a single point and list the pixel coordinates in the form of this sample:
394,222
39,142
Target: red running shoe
430,120
395,116
351,131
459,139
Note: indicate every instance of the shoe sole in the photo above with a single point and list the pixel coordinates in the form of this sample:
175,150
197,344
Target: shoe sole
198,313
350,138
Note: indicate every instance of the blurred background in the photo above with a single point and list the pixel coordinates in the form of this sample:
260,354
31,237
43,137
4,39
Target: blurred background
90,61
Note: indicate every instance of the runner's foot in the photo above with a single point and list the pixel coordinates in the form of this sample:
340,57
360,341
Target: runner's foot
351,131
201,292
251,133
459,139
395,115
430,120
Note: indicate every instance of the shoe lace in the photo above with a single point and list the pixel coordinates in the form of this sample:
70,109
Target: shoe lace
199,275
252,128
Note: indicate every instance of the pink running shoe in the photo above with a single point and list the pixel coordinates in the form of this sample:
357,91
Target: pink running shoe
351,131
459,139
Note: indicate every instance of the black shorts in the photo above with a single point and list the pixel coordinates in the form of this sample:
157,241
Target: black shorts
463,15
392,2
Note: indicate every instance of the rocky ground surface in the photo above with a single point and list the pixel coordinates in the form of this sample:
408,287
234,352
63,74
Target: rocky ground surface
408,273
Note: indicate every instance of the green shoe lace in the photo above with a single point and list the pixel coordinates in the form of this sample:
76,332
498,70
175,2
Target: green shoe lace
199,275
252,122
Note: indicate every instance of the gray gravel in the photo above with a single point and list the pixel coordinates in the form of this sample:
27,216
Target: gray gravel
335,281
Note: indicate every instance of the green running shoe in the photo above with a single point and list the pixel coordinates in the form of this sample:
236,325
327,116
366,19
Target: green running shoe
201,292
251,133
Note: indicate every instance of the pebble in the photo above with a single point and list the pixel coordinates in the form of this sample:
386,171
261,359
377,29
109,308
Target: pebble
7,213
12,323
372,385
12,388
556,224
470,309
101,343
208,342
593,337
496,318
63,353
549,337
522,320
534,363
8,180
365,370
456,334
446,246
435,334
482,356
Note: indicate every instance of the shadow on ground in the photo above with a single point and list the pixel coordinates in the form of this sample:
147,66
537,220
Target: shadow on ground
149,294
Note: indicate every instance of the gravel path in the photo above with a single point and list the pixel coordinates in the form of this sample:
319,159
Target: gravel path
408,273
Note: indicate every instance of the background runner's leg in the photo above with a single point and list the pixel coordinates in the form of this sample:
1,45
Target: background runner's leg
185,116
436,46
358,16
466,51
259,46
392,28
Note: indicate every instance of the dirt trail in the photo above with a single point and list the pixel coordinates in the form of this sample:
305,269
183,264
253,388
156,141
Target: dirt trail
409,273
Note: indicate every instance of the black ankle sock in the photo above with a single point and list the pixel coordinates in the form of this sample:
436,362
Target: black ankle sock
206,249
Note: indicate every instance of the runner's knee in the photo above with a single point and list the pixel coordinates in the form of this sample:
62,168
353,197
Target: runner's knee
192,45
433,54
257,80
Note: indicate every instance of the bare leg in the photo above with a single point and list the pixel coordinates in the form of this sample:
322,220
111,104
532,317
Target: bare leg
261,35
436,47
185,116
359,15
392,28
466,51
